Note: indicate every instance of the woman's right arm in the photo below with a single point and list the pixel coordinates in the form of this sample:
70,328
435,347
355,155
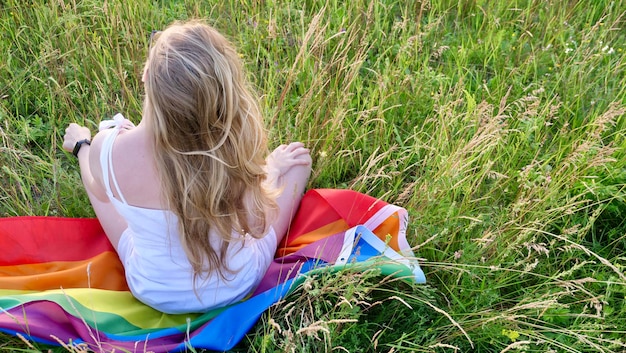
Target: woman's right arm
88,159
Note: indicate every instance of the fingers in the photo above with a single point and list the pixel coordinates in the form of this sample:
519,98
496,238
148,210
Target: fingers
74,128
70,127
293,154
67,146
73,134
293,146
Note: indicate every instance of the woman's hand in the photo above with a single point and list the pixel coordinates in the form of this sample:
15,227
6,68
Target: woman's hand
73,134
283,158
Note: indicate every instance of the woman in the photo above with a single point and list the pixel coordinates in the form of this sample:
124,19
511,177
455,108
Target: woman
187,197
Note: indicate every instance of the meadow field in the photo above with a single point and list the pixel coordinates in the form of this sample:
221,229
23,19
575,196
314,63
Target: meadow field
498,125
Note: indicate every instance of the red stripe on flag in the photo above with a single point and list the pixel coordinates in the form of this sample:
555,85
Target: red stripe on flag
321,207
44,239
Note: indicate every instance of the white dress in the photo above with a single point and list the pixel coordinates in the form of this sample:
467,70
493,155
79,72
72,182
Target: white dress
157,269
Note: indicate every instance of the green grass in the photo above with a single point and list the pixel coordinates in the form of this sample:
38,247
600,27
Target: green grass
499,126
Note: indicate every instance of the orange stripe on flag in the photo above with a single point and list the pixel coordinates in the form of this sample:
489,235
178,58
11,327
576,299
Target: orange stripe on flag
388,231
103,271
310,237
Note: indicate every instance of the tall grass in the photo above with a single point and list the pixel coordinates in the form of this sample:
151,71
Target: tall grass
497,124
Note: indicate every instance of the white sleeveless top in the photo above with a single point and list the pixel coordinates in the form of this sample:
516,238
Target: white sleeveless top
157,269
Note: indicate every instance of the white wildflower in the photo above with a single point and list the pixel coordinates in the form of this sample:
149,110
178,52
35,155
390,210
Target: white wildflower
608,50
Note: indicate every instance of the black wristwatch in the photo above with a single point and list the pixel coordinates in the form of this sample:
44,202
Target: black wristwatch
78,145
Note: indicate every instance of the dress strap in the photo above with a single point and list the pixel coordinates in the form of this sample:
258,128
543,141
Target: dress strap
106,161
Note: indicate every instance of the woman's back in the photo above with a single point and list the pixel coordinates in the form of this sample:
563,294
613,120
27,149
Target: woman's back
157,269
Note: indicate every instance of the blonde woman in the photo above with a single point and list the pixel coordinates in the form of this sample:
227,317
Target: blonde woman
190,198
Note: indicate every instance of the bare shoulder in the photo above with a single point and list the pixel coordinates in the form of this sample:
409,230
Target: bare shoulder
134,168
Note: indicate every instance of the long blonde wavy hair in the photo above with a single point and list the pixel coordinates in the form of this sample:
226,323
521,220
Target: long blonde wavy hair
210,143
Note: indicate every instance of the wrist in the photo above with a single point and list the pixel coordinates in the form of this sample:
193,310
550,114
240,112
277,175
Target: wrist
79,145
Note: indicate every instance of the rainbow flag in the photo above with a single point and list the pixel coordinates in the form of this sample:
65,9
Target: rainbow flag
62,282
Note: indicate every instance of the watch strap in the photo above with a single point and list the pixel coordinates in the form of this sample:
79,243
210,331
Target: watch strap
78,145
